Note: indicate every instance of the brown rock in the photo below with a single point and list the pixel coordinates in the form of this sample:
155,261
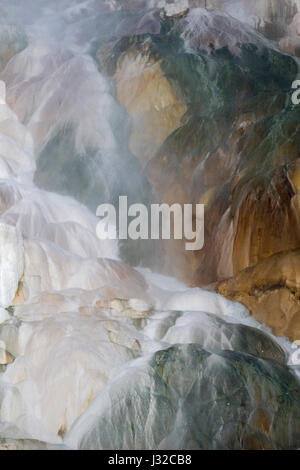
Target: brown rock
261,421
154,106
271,291
5,357
264,217
290,45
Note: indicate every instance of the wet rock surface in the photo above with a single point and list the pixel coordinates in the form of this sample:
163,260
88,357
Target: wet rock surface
223,385
135,359
270,290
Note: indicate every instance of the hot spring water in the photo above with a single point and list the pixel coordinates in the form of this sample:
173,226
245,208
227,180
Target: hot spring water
98,354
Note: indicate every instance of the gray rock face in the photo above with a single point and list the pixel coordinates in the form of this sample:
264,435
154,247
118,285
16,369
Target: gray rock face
186,397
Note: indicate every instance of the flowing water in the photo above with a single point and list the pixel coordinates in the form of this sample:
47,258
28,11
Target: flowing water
102,355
